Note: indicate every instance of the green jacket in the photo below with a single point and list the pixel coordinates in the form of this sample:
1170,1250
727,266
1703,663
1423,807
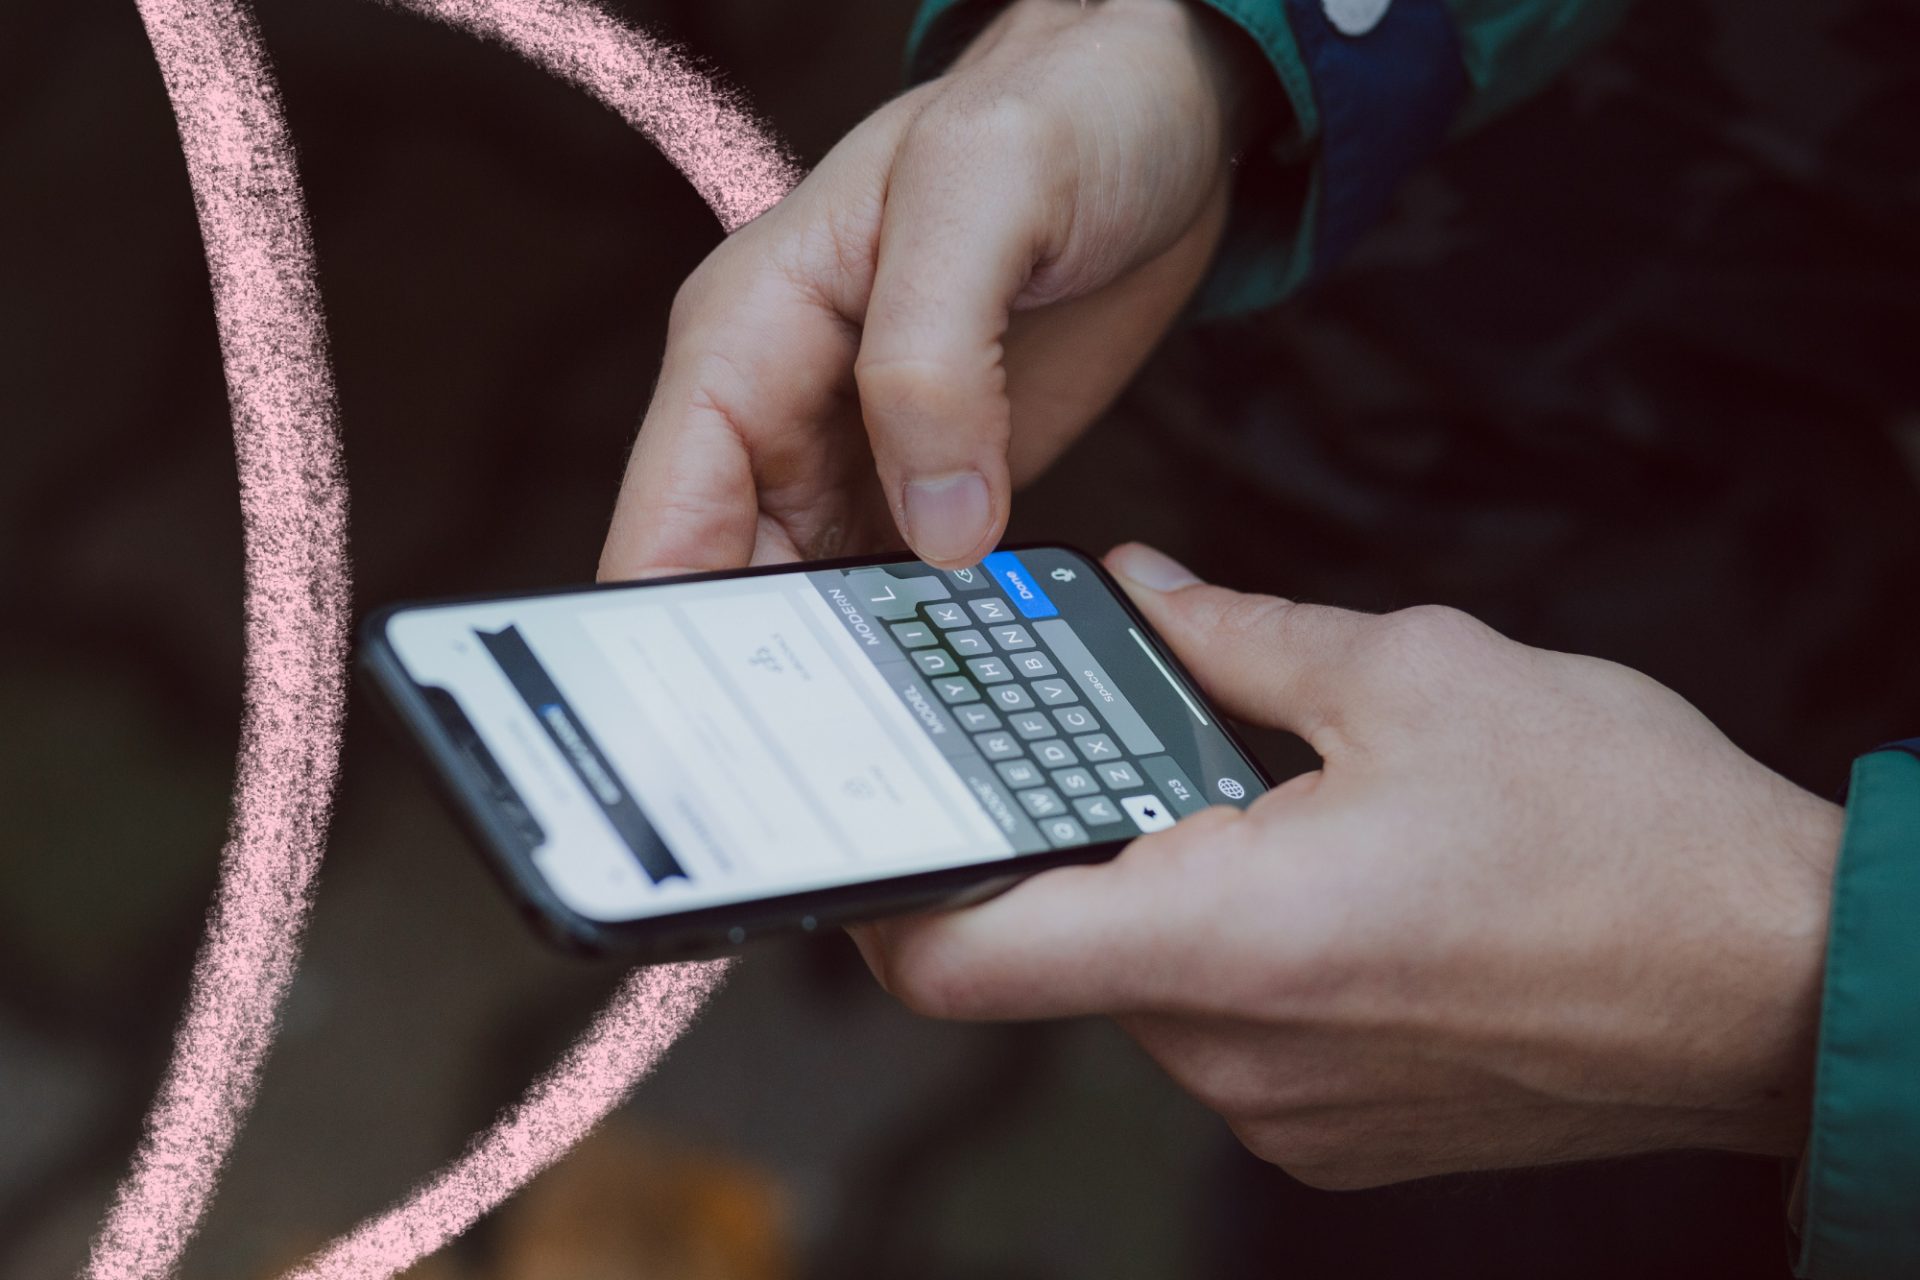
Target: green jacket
1861,1175
1364,111
1373,87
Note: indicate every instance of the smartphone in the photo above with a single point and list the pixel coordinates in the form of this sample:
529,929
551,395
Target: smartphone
675,766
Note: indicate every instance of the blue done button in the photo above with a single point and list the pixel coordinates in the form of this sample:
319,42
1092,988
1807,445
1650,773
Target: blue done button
1017,581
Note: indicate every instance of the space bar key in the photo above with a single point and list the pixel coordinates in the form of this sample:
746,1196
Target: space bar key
1099,688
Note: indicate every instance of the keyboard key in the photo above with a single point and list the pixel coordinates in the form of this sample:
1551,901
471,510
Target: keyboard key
1063,831
1077,720
1011,697
1175,785
968,644
892,599
1118,777
1000,745
1097,811
972,578
1054,692
991,609
953,689
1097,747
976,719
947,616
1054,754
1031,724
1020,773
1076,782
1147,812
989,670
1014,578
914,635
1042,803
1035,665
1011,637
1122,717
935,662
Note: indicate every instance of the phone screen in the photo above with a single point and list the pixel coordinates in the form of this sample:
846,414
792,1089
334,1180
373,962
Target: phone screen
681,745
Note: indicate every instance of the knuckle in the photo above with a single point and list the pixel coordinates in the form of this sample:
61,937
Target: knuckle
1003,142
692,299
736,274
981,121
1424,637
1437,625
918,385
893,375
1263,620
686,302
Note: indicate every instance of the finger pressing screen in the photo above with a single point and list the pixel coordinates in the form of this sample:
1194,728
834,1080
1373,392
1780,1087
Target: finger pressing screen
961,232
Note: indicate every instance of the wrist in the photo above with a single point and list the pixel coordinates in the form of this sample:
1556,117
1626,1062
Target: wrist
1788,911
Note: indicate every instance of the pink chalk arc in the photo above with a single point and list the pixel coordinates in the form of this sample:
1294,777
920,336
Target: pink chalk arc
293,505
705,132
625,1042
267,310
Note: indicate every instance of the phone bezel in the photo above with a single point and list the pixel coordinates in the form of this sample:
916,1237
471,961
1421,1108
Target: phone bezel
715,929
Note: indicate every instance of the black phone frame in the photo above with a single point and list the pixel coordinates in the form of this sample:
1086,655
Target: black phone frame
715,930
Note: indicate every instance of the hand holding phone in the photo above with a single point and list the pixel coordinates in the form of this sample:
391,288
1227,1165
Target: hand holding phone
677,765
1533,907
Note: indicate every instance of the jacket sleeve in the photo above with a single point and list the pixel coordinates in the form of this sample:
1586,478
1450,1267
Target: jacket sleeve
1371,87
1861,1173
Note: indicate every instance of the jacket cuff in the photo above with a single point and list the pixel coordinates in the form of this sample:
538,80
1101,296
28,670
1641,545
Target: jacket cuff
1862,1168
1371,97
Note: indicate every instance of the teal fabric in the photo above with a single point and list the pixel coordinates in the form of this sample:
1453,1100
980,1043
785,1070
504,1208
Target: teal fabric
1863,1157
1510,47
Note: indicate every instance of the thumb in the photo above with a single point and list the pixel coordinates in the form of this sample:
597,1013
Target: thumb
959,238
1263,660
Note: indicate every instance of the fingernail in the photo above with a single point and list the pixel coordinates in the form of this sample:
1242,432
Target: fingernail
947,516
1151,569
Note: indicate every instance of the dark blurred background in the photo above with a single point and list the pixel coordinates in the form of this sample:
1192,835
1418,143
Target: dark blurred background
1632,372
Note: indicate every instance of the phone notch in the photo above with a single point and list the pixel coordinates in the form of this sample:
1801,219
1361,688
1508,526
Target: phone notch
508,805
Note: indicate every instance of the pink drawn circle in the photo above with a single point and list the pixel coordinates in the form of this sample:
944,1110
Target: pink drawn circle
293,501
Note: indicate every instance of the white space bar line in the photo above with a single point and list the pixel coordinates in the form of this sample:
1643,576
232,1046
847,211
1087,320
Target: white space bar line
1154,658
